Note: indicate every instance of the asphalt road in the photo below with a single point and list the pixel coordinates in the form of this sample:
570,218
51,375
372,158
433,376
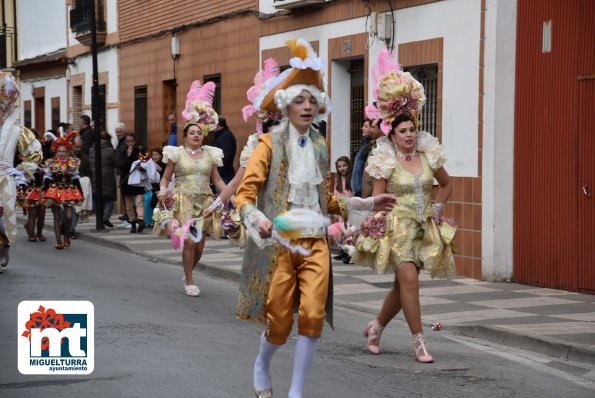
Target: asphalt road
153,341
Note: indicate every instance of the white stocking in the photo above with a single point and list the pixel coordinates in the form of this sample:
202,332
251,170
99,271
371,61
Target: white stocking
262,379
302,360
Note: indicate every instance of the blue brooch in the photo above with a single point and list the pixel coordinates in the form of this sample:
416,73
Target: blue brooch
302,141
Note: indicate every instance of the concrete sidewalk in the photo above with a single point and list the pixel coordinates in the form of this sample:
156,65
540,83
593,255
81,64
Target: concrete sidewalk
553,322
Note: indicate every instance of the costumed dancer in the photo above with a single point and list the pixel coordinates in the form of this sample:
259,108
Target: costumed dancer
287,172
12,138
413,235
35,202
195,166
265,120
62,189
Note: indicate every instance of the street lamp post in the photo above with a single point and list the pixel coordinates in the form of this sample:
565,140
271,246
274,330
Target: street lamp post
96,119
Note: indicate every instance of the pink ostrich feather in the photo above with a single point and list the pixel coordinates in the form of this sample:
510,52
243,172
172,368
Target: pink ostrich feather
271,69
372,112
248,111
384,66
198,92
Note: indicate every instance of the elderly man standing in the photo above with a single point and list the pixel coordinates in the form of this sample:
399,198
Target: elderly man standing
12,138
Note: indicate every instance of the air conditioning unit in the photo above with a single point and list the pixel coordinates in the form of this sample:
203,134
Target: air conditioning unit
293,4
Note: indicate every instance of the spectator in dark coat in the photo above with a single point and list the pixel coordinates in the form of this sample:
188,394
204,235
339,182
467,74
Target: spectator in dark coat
85,169
86,133
225,140
109,164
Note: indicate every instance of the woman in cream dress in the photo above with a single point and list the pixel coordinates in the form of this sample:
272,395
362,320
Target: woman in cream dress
195,166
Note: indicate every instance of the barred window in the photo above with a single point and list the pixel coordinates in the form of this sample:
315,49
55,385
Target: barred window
427,75
356,104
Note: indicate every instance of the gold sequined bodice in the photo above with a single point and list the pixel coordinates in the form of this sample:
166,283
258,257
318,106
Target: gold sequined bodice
412,191
193,176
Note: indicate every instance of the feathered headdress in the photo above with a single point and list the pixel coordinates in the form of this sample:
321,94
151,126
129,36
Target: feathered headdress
396,92
270,70
199,109
64,141
9,91
305,72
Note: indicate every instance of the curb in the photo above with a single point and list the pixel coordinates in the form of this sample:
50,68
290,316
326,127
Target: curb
540,344
207,269
92,237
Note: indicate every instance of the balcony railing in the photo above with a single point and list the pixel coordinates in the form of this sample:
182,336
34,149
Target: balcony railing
80,21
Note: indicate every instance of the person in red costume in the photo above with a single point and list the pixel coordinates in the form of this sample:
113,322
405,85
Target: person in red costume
62,187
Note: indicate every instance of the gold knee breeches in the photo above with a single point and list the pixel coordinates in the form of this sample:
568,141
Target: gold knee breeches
306,275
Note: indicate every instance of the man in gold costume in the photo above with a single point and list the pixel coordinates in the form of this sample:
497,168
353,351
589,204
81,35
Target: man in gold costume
287,172
12,138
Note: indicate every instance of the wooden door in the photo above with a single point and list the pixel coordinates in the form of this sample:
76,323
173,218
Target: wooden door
586,185
40,114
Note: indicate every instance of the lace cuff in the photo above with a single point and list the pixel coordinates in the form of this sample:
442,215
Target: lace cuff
357,209
252,218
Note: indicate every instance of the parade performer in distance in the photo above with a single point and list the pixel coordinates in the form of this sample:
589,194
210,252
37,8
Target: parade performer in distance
34,201
12,138
195,167
414,235
62,188
288,173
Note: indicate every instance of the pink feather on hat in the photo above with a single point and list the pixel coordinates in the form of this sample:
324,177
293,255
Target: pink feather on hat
270,70
383,67
198,92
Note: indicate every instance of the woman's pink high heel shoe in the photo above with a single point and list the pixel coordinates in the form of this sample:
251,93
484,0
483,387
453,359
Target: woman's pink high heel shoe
421,351
373,332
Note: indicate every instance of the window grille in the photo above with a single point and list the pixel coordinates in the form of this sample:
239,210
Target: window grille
427,75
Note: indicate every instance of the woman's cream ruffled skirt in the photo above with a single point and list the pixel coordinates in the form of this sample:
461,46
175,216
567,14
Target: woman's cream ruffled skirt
426,244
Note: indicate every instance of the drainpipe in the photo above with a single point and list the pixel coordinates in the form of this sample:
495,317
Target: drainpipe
15,56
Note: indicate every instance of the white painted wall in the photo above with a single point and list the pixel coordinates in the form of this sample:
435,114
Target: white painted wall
458,22
41,27
498,140
54,87
107,61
